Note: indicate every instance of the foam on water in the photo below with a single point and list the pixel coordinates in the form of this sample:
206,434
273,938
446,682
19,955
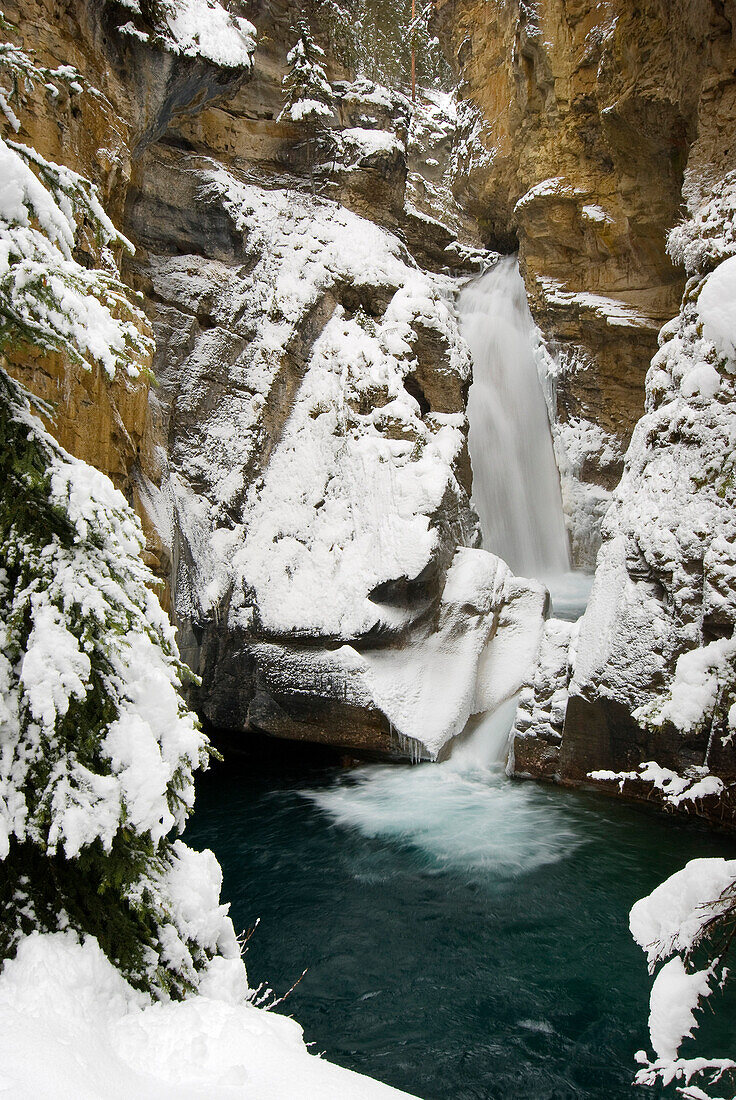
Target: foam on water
463,812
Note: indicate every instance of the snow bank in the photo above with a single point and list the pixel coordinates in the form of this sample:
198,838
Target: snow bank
614,311
73,1029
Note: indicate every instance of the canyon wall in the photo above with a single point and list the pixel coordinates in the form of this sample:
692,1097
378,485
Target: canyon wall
583,117
597,127
300,461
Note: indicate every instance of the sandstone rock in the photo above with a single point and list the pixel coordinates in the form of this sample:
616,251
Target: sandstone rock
653,679
587,113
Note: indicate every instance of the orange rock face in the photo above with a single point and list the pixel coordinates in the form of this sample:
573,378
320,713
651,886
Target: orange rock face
587,118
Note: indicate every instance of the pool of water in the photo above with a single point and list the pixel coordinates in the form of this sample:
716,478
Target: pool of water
465,935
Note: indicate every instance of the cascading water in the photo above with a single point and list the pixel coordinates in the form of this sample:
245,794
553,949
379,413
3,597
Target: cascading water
516,486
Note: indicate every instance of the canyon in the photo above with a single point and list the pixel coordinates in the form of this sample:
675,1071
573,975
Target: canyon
298,452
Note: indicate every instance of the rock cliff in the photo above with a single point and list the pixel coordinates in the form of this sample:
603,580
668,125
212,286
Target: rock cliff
595,127
583,118
301,462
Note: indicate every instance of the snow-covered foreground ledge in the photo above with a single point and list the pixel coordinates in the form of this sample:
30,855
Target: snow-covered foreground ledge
72,1027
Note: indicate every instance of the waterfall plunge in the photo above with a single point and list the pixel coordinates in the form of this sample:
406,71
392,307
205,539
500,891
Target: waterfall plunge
516,486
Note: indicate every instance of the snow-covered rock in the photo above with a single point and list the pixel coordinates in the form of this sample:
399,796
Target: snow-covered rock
654,677
536,735
312,384
194,28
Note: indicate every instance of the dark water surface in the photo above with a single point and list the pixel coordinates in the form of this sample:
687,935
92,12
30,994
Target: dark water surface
466,936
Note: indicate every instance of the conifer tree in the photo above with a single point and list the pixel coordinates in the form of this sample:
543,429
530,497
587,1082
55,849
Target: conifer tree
97,748
309,96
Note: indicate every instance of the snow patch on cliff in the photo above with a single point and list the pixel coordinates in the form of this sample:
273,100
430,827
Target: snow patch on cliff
199,28
317,341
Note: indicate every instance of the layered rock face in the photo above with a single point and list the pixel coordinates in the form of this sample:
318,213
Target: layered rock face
312,387
655,671
584,115
600,127
301,463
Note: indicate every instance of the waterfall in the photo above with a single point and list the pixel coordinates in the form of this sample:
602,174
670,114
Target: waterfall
516,486
484,742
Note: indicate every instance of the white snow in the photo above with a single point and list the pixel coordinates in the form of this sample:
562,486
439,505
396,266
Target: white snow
553,187
87,311
481,651
670,922
357,490
542,702
700,676
306,108
204,28
674,997
702,380
360,142
670,919
616,312
596,214
676,789
73,1029
716,308
667,568
349,495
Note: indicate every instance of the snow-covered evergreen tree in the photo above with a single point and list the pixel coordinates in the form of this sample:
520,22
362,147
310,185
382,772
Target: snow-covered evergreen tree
309,96
97,748
687,926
